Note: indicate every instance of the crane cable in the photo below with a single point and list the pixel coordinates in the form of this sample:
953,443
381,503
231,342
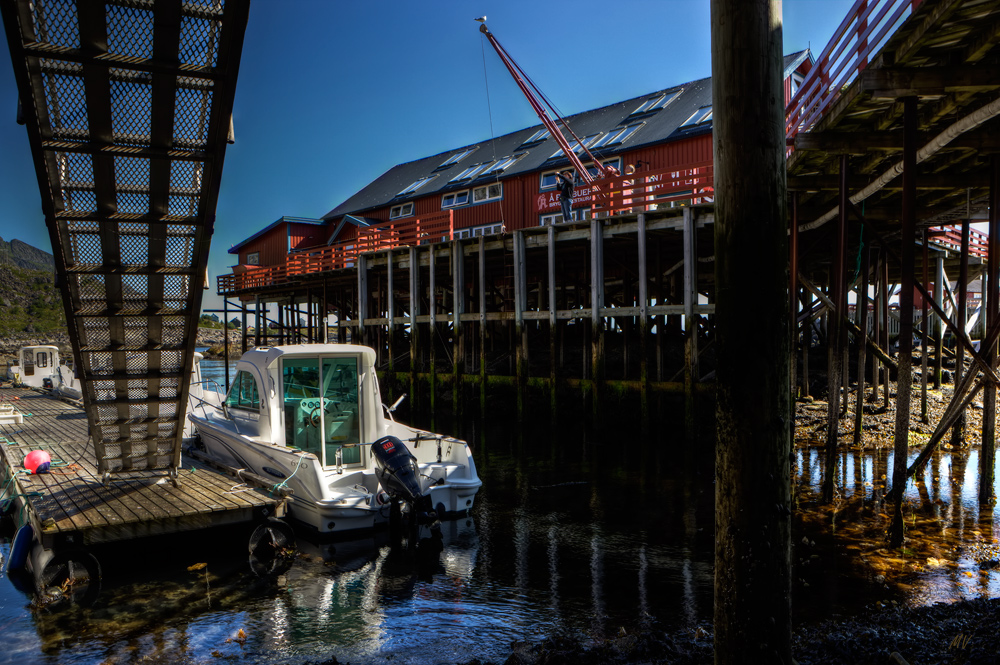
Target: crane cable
493,138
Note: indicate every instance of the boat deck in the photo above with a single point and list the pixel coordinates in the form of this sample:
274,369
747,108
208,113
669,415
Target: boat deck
71,505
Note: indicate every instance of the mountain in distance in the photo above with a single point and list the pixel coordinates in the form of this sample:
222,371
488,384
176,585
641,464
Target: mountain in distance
22,255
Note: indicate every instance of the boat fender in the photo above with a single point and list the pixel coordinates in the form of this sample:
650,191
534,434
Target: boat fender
271,546
72,575
37,461
20,547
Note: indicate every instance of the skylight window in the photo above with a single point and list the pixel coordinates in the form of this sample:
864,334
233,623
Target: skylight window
471,172
617,136
656,103
578,146
417,185
537,137
704,114
457,157
502,165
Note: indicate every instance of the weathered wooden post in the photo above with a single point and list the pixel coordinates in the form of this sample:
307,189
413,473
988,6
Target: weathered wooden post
457,331
597,374
553,325
958,431
432,331
992,295
482,326
862,308
416,400
939,287
643,322
753,451
904,370
520,335
924,330
691,371
835,340
362,264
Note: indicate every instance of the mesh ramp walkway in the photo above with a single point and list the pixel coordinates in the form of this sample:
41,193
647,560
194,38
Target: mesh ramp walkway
127,104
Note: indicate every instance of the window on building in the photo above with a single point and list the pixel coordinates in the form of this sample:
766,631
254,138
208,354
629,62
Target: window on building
457,157
656,103
704,114
578,146
501,165
537,137
617,163
417,185
471,172
404,210
253,259
455,199
578,215
476,231
617,136
548,180
486,193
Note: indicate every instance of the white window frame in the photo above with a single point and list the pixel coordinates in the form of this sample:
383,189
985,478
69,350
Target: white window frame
487,194
417,185
655,103
475,231
578,215
618,136
454,196
457,157
578,146
402,210
471,172
538,136
501,165
704,114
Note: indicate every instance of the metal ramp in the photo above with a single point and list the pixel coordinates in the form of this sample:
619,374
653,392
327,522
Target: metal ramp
127,105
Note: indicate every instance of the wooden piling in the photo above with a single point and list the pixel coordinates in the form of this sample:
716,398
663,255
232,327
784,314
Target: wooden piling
862,309
905,360
992,295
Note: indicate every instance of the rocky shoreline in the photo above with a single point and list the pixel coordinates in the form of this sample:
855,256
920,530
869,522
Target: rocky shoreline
9,345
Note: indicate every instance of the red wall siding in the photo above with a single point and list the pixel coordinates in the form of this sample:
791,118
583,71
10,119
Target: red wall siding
273,247
517,208
301,236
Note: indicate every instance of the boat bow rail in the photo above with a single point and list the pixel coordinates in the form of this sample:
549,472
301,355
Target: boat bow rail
128,104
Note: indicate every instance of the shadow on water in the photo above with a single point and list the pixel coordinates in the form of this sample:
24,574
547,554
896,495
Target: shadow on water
575,532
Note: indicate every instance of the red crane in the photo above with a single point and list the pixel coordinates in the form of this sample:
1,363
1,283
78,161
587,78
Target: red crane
543,108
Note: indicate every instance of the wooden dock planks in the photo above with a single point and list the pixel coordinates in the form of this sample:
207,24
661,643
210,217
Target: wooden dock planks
71,504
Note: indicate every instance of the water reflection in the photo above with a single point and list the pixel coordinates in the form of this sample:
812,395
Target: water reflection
951,550
566,538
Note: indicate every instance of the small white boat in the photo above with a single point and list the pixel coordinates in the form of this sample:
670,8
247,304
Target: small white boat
310,416
40,367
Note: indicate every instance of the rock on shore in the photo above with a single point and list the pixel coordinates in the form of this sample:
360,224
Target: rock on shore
9,344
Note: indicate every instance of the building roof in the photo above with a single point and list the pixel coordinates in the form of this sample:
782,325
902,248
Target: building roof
235,249
668,120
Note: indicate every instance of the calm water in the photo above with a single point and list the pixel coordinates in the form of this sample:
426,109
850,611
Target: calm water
572,533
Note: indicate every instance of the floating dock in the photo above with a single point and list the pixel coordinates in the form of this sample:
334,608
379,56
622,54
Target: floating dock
69,508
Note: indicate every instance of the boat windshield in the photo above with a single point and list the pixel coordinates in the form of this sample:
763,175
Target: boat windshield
321,407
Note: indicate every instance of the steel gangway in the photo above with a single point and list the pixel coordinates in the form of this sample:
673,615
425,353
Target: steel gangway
128,106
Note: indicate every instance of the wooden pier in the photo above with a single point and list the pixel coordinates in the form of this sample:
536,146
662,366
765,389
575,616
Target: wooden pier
69,508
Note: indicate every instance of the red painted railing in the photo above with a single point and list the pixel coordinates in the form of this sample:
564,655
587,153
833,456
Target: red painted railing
648,190
952,236
864,30
387,235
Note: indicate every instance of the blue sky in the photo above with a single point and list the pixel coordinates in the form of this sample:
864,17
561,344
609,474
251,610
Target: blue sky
333,93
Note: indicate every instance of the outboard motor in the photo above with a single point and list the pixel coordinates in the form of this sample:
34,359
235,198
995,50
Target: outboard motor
397,470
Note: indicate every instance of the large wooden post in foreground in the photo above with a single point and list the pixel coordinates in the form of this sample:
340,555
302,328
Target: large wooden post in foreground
752,488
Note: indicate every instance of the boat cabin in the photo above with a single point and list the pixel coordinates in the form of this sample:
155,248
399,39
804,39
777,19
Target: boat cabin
36,366
311,398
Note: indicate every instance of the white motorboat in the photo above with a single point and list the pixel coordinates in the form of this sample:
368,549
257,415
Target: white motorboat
40,367
310,416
